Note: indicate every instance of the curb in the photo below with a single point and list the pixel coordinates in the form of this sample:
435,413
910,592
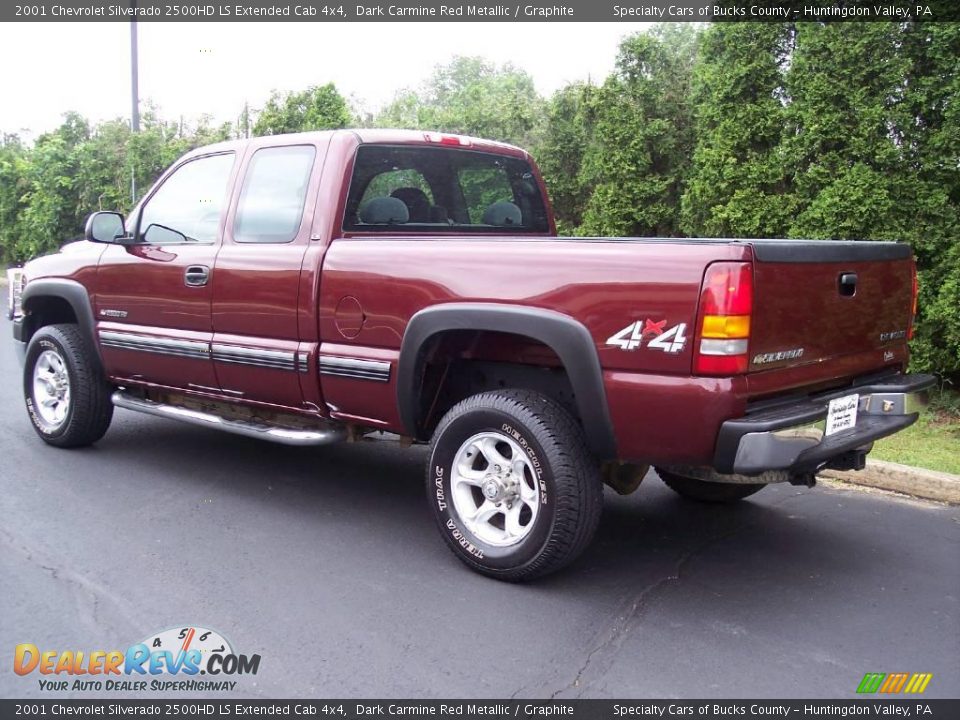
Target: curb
916,482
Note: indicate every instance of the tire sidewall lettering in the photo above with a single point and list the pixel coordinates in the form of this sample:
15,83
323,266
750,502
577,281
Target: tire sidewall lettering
42,344
532,455
441,463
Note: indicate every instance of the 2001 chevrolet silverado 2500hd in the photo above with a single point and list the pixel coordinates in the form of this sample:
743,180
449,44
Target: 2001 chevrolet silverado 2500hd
312,288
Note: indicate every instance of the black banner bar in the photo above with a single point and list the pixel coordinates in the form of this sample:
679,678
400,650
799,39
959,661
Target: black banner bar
867,707
491,11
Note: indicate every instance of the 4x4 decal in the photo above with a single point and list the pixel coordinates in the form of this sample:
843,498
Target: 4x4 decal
670,340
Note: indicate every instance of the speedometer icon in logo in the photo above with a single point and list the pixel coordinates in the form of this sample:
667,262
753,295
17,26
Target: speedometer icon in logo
186,639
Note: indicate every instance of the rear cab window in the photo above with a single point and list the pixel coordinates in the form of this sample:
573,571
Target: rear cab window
426,189
273,195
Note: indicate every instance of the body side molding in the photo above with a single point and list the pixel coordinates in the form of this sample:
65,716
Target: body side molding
568,338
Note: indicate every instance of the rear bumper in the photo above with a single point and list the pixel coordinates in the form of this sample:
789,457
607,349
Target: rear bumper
791,436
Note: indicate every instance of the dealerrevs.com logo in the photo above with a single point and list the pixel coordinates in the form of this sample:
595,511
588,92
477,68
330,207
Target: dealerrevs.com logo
172,660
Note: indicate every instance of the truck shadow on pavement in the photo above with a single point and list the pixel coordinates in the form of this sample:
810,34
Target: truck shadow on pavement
317,485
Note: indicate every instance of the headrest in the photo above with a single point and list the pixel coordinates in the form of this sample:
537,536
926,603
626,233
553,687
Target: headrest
503,214
384,211
417,202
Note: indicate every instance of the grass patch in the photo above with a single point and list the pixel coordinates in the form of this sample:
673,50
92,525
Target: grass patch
933,442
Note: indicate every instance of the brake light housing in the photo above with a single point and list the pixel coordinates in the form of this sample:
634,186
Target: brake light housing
443,139
726,306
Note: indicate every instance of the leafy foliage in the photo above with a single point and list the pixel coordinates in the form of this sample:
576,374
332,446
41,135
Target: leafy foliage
471,96
316,108
642,136
738,184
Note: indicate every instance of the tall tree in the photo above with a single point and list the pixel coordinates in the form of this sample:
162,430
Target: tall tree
471,96
13,186
930,138
560,153
51,210
642,139
845,85
738,185
316,108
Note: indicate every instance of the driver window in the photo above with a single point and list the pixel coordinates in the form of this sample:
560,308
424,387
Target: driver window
187,207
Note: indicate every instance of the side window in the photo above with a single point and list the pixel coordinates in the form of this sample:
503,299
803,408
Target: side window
187,207
274,191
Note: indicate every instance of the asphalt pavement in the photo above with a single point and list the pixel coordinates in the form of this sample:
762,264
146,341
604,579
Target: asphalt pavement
327,564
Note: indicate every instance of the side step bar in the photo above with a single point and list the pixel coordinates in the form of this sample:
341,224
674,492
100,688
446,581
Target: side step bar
272,433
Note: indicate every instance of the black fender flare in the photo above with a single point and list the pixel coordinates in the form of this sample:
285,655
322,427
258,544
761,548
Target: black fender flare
74,294
568,338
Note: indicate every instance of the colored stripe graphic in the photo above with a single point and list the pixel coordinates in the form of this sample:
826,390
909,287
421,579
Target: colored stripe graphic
871,682
893,683
918,682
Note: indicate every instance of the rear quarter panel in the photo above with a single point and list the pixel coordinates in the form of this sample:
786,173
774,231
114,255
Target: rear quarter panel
606,285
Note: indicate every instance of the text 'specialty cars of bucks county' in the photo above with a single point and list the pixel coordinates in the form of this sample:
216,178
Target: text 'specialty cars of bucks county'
313,288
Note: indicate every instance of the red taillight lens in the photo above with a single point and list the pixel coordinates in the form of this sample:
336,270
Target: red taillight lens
913,310
726,304
727,289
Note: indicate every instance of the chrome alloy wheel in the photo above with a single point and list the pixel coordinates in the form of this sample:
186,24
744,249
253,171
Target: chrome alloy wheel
495,489
51,389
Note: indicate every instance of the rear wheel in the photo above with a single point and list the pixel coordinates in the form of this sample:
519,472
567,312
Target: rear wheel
514,489
709,492
67,398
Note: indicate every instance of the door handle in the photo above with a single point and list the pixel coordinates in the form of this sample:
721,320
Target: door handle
196,276
847,284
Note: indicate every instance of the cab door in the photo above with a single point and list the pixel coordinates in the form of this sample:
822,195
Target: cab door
153,297
256,349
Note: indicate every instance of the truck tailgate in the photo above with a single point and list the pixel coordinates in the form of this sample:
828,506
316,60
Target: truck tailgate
818,301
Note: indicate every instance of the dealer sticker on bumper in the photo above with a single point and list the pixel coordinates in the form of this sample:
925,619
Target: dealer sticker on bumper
842,414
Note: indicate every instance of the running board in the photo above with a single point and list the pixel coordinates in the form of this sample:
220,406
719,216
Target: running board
271,433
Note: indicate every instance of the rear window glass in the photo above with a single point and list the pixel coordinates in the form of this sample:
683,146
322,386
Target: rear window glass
423,189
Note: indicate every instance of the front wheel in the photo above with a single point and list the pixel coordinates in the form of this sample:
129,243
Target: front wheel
512,485
67,399
708,492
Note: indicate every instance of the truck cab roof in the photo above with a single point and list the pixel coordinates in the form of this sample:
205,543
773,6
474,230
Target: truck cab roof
368,136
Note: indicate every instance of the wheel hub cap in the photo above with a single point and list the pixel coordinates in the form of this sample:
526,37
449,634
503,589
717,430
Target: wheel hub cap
51,388
492,490
496,493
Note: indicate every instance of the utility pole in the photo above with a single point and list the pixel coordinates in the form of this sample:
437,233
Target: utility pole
134,94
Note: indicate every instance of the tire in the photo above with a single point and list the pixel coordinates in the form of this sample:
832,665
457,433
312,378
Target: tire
708,492
67,398
549,485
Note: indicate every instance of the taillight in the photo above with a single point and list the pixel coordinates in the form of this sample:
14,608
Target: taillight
726,304
913,311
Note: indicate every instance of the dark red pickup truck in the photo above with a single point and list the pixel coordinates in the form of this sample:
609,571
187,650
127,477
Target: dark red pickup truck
313,288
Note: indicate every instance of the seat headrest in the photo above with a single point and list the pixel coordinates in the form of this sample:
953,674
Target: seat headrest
384,211
503,214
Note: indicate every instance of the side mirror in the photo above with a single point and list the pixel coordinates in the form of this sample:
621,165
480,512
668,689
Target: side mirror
104,227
